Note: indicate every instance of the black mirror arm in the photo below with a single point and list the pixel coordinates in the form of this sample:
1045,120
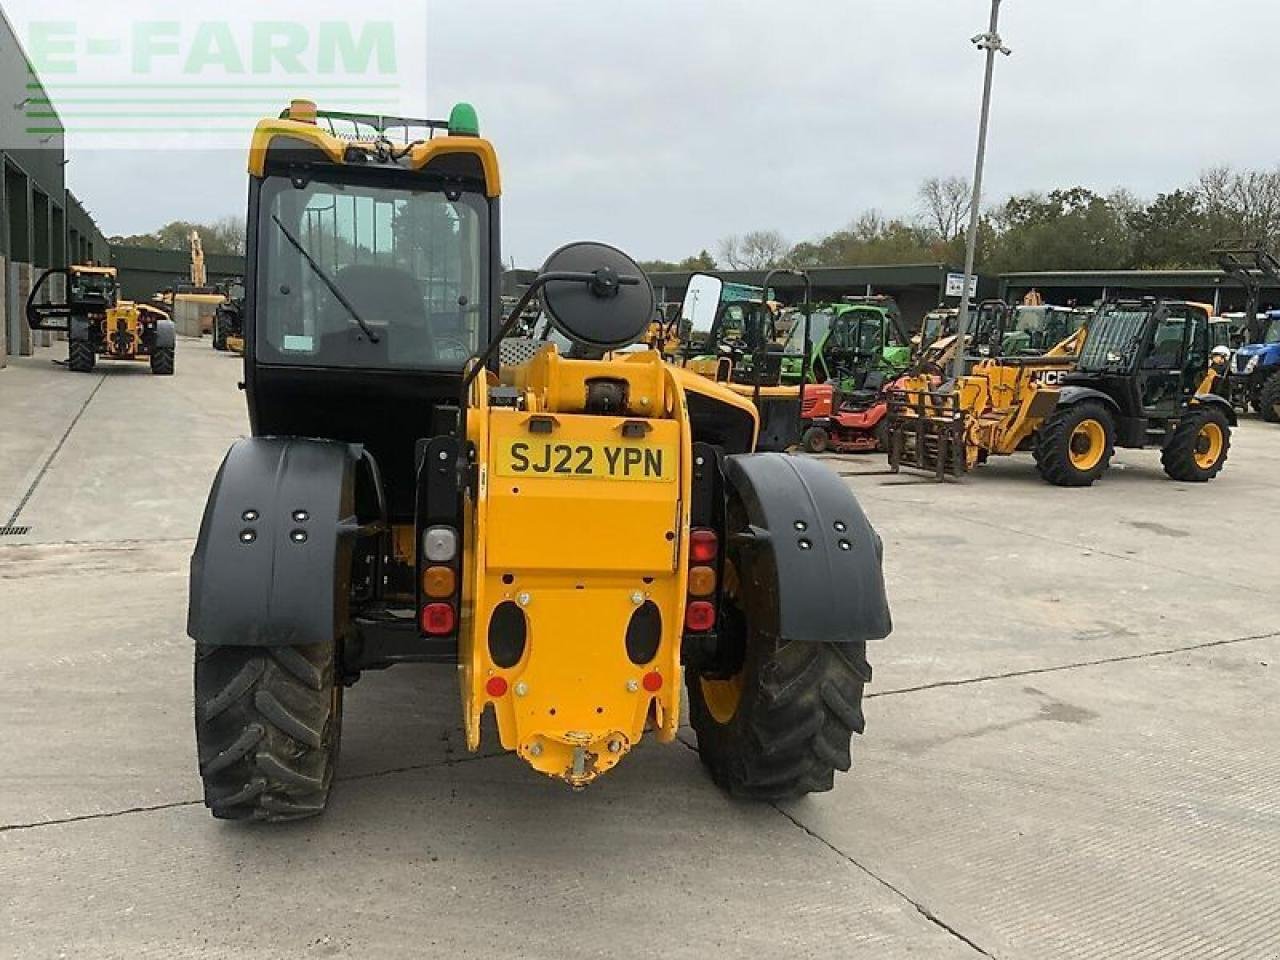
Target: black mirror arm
604,283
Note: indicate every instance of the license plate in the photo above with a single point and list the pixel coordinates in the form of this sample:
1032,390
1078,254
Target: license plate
603,461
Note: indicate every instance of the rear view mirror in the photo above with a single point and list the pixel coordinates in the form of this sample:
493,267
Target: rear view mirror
701,301
604,313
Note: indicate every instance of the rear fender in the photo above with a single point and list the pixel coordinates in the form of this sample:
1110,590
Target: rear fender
272,563
816,571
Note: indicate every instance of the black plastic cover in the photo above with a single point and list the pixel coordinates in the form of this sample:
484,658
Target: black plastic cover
272,563
816,572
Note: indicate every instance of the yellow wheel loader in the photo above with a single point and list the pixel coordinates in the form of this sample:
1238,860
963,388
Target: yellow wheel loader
1139,374
578,532
99,324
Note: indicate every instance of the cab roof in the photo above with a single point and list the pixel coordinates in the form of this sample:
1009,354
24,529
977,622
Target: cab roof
370,145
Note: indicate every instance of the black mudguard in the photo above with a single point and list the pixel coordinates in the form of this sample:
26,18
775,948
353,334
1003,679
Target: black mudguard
80,328
816,574
1219,403
254,580
1071,395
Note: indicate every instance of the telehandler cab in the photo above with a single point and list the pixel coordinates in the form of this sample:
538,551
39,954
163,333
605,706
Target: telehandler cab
99,324
1138,375
571,531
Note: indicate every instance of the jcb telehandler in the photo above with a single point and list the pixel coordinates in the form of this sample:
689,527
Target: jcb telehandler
99,324
1138,375
572,532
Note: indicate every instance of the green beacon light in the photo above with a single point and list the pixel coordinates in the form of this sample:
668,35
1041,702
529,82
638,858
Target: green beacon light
463,121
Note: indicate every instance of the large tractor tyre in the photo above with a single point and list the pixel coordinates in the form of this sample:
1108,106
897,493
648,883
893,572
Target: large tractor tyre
815,440
268,724
781,725
1269,399
1074,446
219,334
80,356
162,361
1197,451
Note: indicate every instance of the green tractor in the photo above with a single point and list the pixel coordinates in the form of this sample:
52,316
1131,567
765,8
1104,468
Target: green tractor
858,339
1035,330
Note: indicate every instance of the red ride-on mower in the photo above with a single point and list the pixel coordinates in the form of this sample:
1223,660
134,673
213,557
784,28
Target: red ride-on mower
854,423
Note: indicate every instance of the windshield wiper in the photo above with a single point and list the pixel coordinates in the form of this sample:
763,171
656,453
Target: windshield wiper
325,278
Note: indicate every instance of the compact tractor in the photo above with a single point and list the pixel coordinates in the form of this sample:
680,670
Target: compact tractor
574,532
859,346
98,323
1139,375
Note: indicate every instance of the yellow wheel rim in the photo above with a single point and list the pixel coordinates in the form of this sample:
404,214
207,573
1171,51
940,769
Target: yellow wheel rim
1209,444
1088,444
723,696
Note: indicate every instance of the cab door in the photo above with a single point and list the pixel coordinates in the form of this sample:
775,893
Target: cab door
1164,362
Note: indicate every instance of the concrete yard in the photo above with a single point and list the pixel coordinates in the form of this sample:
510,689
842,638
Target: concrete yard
1069,751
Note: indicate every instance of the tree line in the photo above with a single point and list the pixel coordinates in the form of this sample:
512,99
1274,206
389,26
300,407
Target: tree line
225,235
1071,228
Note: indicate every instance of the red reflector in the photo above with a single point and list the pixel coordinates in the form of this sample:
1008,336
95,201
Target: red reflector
703,546
437,619
496,687
652,681
699,616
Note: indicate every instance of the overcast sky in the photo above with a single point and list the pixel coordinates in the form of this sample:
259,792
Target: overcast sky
663,125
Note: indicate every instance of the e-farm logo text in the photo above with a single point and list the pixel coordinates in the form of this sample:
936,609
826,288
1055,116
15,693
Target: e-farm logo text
97,78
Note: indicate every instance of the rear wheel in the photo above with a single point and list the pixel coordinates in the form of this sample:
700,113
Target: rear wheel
219,333
1074,446
1197,451
268,723
1269,399
779,725
815,440
162,361
80,356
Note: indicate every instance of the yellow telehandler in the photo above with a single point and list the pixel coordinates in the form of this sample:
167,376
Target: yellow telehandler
1139,374
575,532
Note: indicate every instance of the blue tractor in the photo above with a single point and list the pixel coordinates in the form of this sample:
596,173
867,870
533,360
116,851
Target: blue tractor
1255,372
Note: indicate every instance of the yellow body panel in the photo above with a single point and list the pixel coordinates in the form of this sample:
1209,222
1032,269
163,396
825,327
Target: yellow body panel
335,148
579,554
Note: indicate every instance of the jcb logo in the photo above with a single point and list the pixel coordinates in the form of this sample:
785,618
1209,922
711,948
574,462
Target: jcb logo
1052,378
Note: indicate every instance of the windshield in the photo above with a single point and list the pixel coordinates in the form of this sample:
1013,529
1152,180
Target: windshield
819,324
96,285
370,276
1272,332
1114,338
1031,319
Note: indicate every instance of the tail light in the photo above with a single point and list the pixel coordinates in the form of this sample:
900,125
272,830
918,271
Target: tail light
440,544
699,616
703,546
438,619
702,581
439,582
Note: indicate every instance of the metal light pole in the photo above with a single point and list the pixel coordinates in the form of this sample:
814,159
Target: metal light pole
991,43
